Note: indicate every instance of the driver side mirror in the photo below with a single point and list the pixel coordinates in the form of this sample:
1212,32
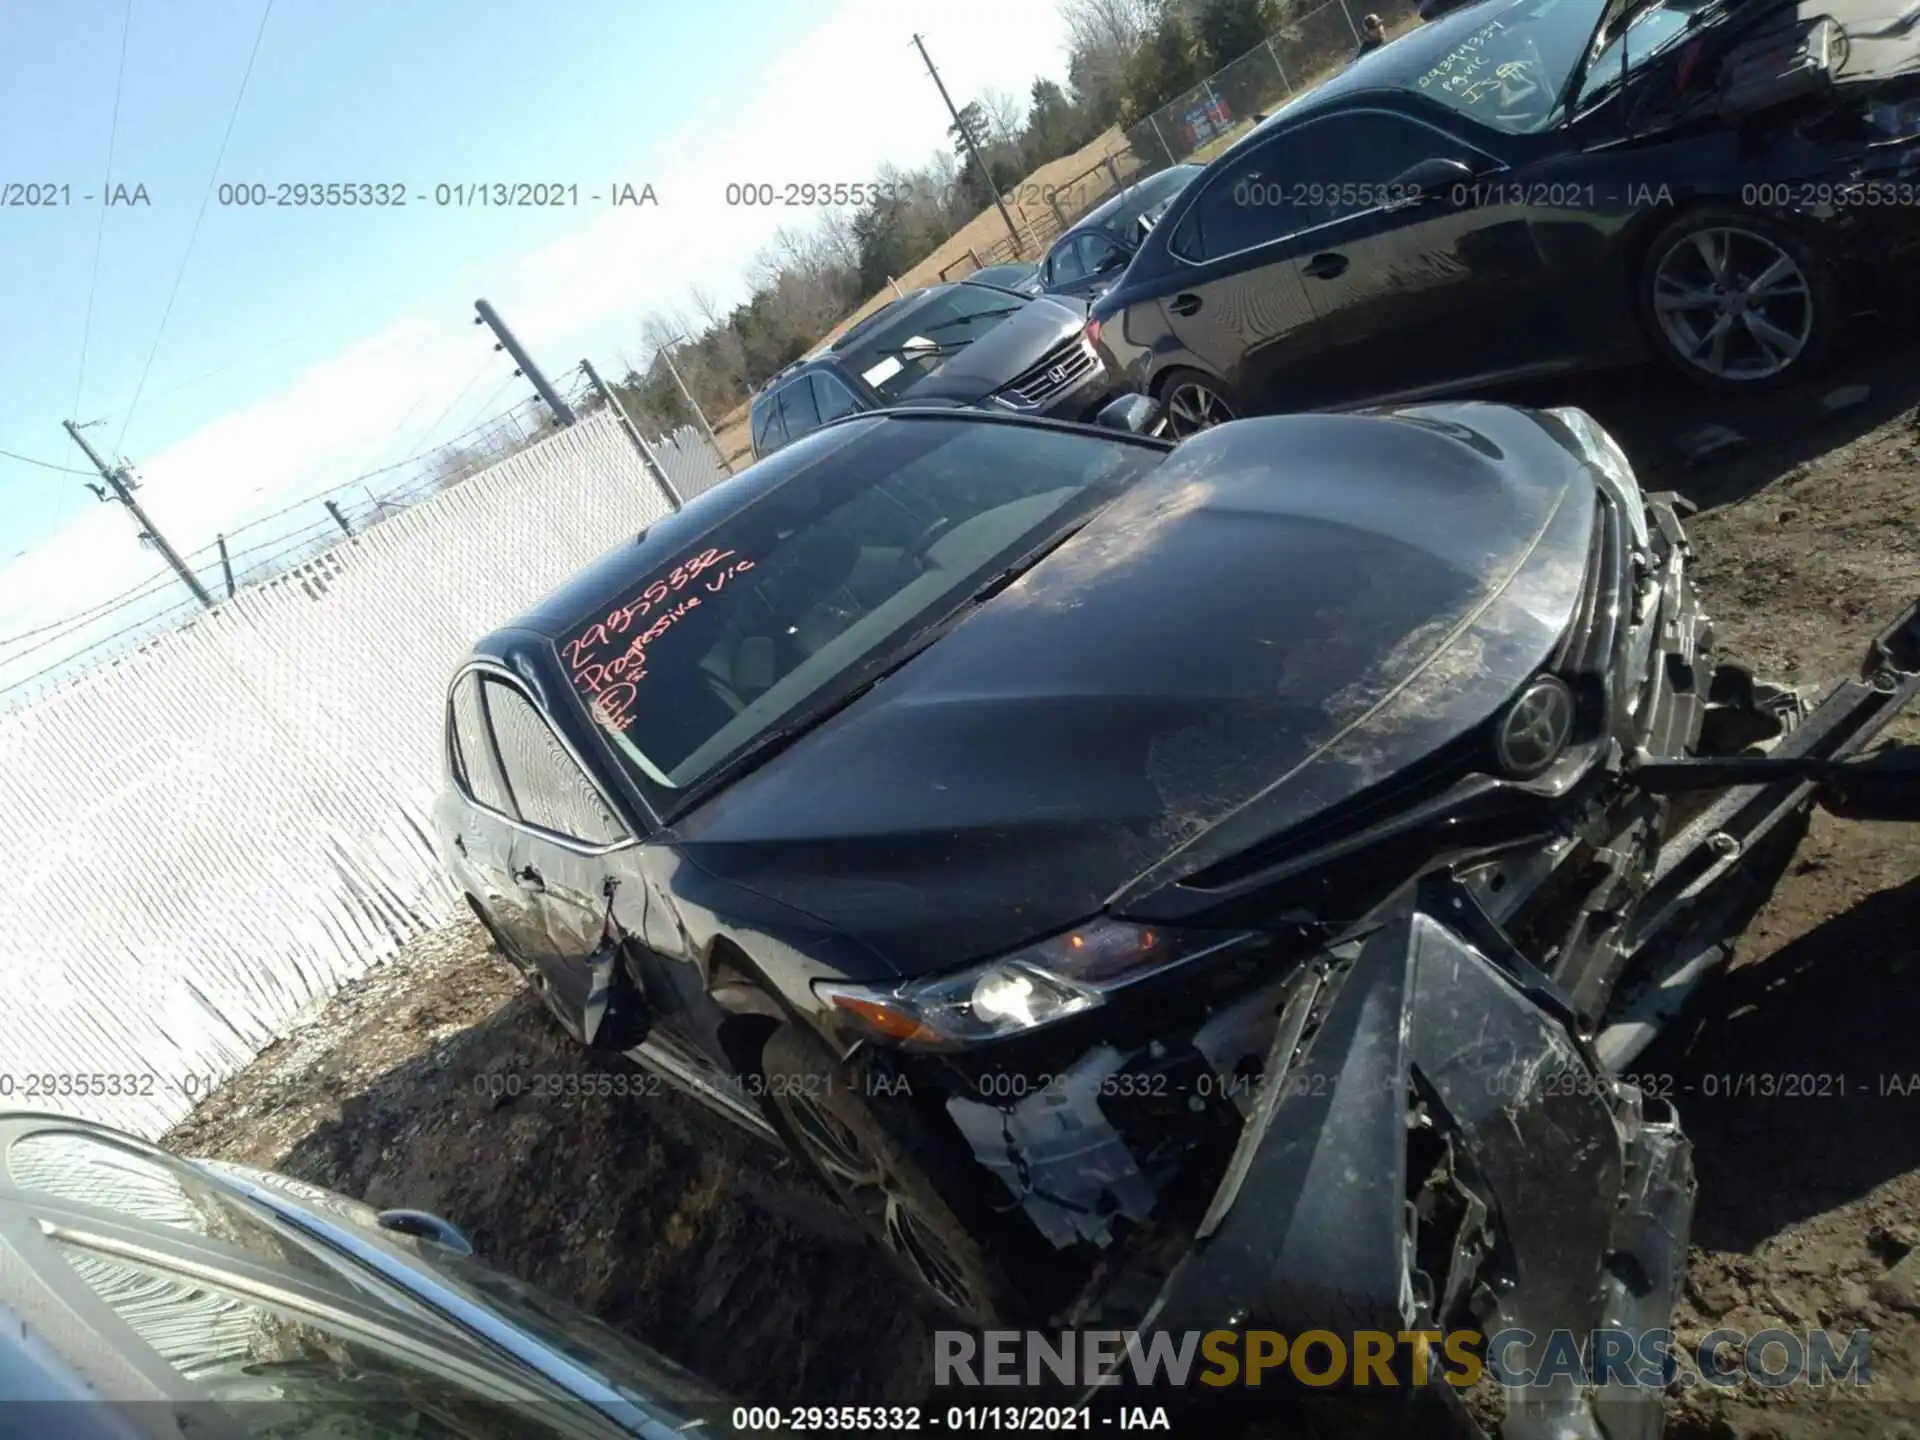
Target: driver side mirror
1135,414
1429,182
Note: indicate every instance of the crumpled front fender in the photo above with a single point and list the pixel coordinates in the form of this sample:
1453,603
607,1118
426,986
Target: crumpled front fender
1588,1202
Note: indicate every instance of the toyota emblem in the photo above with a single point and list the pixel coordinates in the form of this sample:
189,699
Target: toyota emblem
1536,728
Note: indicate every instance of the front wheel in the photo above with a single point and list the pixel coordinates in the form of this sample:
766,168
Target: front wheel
883,1175
1737,301
1194,402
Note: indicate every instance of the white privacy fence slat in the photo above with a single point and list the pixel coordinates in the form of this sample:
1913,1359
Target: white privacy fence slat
205,838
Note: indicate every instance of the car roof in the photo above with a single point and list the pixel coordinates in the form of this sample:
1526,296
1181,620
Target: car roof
1388,74
1127,204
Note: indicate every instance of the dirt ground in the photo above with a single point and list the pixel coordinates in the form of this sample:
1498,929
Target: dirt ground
672,1225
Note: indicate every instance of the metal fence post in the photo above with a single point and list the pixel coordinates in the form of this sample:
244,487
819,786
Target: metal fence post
1285,83
1158,134
1350,25
647,456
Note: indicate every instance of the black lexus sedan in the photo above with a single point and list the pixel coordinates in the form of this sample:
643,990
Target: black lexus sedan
1526,188
144,1295
1089,258
965,343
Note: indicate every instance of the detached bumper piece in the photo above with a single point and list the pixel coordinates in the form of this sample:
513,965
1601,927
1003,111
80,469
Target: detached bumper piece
1568,1212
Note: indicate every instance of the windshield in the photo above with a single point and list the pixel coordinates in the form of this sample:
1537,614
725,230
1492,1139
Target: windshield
1647,33
900,354
1508,70
826,581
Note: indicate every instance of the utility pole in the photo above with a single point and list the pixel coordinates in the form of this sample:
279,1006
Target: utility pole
488,316
966,138
666,358
633,433
123,486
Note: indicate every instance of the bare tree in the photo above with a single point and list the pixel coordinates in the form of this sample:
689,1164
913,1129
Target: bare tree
713,317
1005,113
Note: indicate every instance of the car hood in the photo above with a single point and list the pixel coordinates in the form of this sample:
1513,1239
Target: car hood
999,356
1284,613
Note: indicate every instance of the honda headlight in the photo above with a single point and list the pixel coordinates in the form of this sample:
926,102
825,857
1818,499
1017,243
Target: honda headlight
1045,982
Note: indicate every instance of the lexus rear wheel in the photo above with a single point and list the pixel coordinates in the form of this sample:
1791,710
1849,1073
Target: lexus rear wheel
1737,301
883,1175
1194,402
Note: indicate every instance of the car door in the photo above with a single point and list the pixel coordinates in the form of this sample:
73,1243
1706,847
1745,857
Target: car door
485,826
1413,294
1240,308
562,857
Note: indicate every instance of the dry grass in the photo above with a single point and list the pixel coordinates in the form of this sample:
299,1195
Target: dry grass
1080,179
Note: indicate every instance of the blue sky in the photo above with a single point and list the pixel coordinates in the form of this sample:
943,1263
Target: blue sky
307,345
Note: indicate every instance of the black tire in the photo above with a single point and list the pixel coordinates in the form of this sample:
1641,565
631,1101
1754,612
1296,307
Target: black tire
1670,311
820,1109
1171,386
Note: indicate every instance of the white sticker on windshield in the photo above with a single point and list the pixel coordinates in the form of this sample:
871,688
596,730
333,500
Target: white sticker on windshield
885,370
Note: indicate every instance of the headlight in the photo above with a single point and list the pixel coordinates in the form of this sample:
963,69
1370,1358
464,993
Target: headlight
1603,452
1032,987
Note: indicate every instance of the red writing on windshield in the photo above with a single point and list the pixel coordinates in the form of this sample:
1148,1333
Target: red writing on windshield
608,659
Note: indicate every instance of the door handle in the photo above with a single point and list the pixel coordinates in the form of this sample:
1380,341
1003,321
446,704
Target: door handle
1326,265
529,879
1187,303
460,844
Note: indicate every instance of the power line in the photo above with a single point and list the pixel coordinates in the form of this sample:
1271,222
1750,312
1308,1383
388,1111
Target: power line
100,235
141,591
47,465
419,444
194,236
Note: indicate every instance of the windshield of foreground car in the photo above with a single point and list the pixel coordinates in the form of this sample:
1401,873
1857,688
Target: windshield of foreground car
897,356
827,581
1509,67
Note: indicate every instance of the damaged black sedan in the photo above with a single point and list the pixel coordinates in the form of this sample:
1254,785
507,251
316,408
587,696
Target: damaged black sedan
1229,881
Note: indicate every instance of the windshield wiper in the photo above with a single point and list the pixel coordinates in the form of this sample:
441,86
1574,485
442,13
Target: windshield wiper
977,315
903,351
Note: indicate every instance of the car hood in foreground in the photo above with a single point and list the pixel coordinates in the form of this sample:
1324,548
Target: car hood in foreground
1284,613
1000,354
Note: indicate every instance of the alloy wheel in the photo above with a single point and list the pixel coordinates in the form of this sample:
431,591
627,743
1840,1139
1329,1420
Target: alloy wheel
878,1196
1193,406
1733,303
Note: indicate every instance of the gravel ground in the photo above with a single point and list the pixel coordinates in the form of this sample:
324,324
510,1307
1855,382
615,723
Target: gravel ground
669,1223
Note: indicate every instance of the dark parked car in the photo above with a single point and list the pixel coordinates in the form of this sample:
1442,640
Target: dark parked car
959,344
1531,187
252,1304
1087,259
1022,277
1023,819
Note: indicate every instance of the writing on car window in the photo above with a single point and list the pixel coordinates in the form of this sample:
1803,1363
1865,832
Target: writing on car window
608,659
